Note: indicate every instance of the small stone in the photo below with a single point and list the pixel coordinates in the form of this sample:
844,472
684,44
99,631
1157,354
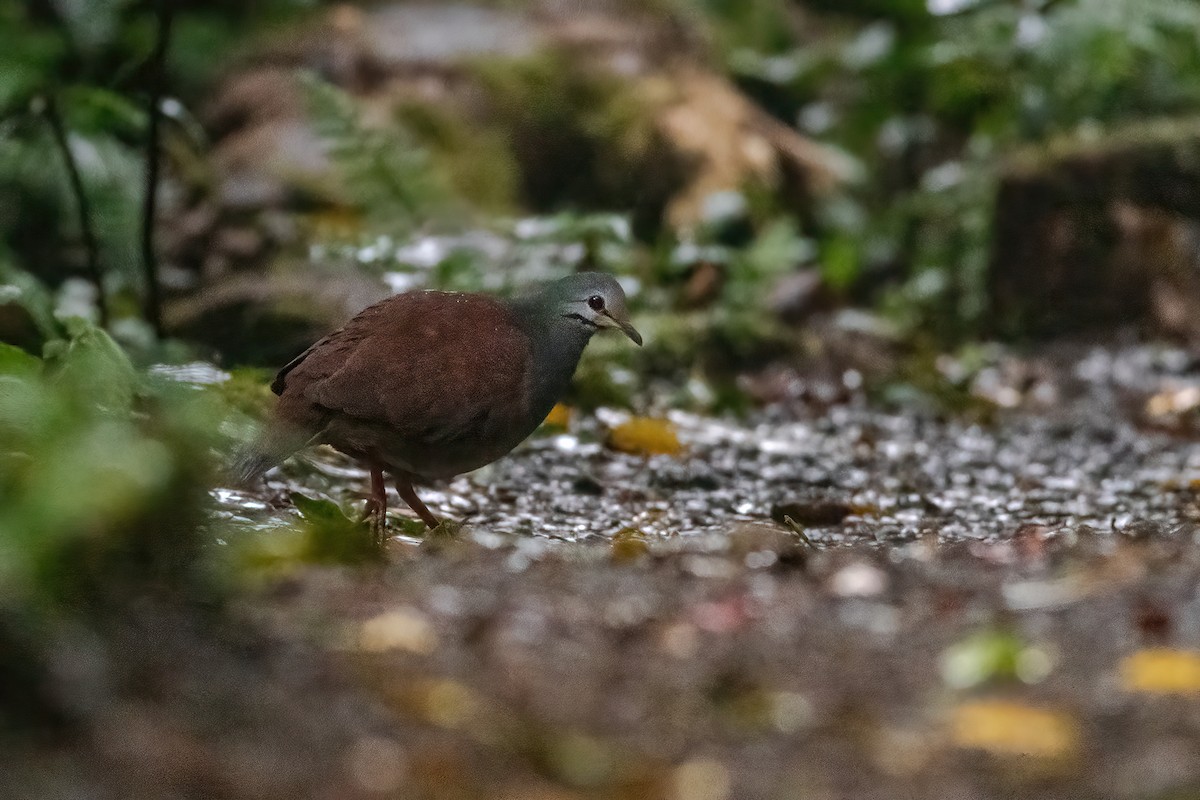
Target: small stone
377,764
748,542
680,640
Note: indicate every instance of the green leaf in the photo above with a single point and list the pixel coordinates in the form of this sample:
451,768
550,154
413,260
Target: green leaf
332,536
993,655
93,366
95,108
318,511
15,361
23,289
385,173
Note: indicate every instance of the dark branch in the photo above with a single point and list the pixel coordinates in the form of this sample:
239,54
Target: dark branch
83,206
157,82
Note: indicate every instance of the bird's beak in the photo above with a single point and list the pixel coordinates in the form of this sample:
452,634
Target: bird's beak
626,328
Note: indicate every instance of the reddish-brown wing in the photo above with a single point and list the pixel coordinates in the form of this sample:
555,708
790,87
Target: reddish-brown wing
427,365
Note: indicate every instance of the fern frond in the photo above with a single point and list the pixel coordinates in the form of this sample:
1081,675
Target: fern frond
387,175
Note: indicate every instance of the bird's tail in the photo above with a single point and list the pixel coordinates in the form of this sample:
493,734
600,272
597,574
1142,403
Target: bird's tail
272,446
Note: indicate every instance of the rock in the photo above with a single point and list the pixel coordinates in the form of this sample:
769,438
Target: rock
1089,234
858,579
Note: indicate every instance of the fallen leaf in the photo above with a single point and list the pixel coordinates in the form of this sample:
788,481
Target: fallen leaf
701,779
559,417
1006,728
1162,670
1173,401
645,436
450,704
629,545
817,514
399,629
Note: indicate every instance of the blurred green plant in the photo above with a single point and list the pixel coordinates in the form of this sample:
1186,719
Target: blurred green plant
103,474
931,104
994,655
74,83
388,178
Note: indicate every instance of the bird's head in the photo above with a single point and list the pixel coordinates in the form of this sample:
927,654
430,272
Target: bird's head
593,301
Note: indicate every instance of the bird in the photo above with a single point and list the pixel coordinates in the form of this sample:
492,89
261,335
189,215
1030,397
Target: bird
427,385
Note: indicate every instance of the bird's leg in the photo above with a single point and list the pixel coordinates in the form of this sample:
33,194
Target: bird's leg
376,510
409,495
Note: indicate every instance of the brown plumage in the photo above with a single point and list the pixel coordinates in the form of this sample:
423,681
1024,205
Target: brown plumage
389,387
428,385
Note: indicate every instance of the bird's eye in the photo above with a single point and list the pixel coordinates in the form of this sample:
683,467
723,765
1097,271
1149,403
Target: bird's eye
596,303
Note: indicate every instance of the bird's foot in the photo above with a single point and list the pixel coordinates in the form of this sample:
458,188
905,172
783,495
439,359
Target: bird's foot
447,530
375,518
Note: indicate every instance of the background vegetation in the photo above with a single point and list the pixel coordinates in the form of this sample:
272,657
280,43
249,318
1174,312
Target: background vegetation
924,111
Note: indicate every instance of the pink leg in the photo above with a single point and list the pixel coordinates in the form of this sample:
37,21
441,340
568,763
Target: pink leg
376,509
409,494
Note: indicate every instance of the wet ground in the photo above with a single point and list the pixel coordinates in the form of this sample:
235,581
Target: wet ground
956,609
1096,445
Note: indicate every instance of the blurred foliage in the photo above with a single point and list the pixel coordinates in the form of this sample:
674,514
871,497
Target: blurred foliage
103,474
930,103
929,98
323,534
994,656
583,126
332,536
90,60
476,161
387,177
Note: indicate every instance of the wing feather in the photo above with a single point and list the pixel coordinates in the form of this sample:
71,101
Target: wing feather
430,367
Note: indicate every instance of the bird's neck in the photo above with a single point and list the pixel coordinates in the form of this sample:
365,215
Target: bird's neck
557,344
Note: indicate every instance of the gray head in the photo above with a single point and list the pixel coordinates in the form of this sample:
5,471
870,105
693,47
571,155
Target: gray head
591,300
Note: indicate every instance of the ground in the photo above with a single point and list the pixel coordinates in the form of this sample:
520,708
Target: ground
956,609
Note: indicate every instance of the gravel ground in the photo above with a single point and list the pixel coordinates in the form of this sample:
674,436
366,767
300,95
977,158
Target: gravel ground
962,610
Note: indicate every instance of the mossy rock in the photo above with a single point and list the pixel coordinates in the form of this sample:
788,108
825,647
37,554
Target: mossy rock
1091,232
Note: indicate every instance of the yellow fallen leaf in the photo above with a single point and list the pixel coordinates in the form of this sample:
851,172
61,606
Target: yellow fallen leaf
401,629
1174,401
645,436
701,779
1010,729
450,704
559,417
629,544
1161,670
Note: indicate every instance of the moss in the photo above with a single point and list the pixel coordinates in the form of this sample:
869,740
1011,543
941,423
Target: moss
581,136
476,159
1172,135
247,391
